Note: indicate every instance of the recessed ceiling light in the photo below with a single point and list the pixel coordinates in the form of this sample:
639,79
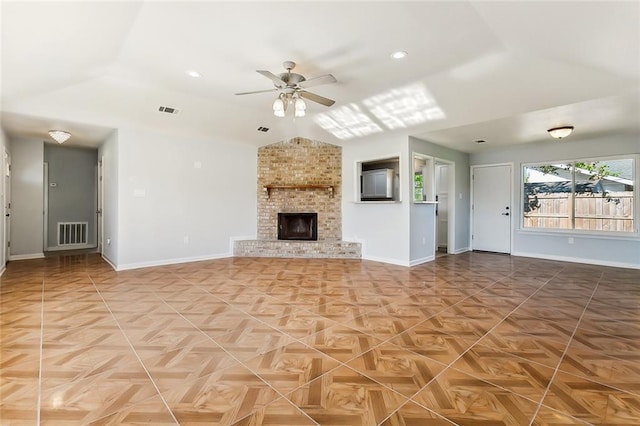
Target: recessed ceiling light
194,74
399,54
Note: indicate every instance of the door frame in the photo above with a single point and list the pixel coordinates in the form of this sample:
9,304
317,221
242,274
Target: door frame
511,186
45,215
100,206
6,208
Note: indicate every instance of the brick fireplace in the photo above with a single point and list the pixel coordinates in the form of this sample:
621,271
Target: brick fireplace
299,176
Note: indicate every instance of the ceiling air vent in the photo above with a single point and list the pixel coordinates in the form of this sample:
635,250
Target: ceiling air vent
263,129
168,110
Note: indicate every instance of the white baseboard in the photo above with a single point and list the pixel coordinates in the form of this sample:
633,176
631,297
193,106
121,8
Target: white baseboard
26,256
164,262
106,259
422,260
577,260
2,270
72,247
386,260
462,250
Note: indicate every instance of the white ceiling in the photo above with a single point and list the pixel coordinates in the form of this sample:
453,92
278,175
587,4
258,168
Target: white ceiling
499,71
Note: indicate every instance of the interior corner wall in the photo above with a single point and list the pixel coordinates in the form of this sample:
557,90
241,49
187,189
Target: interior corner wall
182,199
605,250
382,228
27,199
108,154
462,192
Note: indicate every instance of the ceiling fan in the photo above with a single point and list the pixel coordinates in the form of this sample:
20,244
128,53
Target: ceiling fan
292,88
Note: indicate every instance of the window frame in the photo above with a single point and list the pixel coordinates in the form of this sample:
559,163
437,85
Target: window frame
610,234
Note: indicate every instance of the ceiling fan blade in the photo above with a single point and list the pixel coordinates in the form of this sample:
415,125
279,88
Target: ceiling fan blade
277,80
316,81
256,91
317,98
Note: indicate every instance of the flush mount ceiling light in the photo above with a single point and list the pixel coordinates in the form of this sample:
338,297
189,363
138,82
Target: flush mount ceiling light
400,54
193,73
59,136
560,132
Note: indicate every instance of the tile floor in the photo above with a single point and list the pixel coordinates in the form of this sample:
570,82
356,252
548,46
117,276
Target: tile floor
477,339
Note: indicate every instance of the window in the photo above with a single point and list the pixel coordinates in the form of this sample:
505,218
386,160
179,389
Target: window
591,195
418,187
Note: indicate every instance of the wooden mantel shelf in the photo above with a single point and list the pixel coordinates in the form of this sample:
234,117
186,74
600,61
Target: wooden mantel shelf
268,188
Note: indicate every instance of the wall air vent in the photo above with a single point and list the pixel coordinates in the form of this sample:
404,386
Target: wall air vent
168,110
263,129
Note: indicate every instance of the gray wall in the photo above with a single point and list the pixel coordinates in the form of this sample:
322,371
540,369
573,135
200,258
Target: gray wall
73,199
27,180
620,250
462,192
422,219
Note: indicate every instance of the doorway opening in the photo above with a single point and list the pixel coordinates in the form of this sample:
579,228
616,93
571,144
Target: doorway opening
444,182
70,198
6,191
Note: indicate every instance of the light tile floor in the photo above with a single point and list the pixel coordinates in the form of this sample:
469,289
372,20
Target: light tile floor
475,338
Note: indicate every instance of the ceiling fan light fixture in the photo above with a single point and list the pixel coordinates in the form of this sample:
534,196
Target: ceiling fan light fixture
292,87
59,136
278,107
560,132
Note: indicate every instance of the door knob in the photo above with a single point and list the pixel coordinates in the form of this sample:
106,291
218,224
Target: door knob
505,214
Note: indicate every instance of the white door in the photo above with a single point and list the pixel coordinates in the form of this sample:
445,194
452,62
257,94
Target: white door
442,194
491,208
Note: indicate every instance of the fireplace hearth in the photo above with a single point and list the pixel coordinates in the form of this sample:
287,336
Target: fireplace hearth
298,226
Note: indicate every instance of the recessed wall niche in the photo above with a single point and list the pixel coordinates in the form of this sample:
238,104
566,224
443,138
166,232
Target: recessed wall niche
378,180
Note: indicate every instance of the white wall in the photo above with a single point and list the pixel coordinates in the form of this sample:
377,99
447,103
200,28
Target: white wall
615,251
462,191
108,153
182,199
383,228
27,202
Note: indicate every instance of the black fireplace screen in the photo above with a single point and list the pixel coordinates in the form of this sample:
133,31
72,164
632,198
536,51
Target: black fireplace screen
298,226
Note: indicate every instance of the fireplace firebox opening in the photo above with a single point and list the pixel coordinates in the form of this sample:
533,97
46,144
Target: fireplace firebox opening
298,226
